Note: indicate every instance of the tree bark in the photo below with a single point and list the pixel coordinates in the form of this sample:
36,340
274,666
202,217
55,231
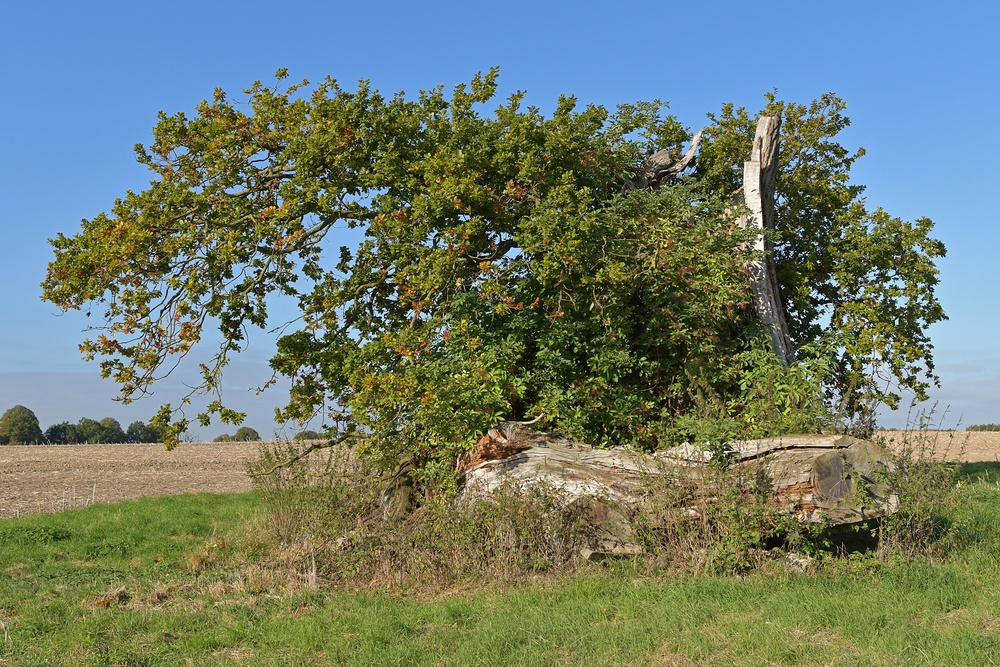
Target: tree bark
759,174
664,165
819,478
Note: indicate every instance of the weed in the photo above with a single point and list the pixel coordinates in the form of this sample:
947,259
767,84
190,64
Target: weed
924,480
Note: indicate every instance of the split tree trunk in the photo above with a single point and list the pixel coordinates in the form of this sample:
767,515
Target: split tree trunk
819,478
759,174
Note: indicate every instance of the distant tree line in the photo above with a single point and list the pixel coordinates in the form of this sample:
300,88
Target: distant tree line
107,431
243,434
247,434
983,427
19,426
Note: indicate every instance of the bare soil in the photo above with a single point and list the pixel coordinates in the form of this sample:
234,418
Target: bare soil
43,479
965,446
53,478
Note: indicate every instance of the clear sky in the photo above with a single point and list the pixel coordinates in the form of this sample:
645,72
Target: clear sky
81,83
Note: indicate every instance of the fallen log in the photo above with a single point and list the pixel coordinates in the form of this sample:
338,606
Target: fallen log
834,479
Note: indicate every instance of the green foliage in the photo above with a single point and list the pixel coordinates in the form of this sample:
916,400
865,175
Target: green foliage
63,433
112,431
926,521
864,277
90,431
19,426
105,431
139,431
243,434
307,435
502,267
246,434
93,432
983,427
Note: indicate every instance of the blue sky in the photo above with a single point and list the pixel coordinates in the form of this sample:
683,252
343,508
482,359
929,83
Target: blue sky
82,83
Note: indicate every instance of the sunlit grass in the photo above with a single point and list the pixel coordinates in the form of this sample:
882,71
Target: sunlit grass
198,580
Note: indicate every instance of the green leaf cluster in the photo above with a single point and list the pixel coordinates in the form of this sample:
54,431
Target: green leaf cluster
860,277
454,268
19,426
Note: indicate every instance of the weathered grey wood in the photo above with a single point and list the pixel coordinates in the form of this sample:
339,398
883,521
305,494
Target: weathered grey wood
745,450
828,478
759,174
664,165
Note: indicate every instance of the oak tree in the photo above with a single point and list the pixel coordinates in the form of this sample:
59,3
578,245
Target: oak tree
454,268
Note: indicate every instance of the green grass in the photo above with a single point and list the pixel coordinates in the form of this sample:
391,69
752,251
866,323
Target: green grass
197,580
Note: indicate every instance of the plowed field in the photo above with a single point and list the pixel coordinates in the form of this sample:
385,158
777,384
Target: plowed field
44,479
53,478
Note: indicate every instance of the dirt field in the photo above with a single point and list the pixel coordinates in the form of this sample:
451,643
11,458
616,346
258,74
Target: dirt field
45,479
53,478
971,447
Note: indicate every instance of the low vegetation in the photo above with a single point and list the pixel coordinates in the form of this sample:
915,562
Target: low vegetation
243,434
244,579
727,522
983,427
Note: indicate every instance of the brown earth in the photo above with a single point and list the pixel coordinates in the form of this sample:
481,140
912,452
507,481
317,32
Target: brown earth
52,478
43,479
967,446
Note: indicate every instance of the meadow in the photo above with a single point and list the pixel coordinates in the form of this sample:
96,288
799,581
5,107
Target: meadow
202,579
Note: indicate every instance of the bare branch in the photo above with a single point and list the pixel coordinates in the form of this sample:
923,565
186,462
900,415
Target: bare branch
316,446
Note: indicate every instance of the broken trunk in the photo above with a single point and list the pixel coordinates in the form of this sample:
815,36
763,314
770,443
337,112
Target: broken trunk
817,478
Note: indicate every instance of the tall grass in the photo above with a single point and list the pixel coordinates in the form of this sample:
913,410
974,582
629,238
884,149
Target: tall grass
327,510
310,570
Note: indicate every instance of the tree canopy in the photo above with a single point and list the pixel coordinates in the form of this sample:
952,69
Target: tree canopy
19,426
454,268
105,431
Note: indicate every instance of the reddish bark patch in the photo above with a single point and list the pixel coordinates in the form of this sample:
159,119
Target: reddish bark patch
492,447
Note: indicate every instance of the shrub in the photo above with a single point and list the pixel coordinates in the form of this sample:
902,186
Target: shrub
924,483
140,432
63,433
327,508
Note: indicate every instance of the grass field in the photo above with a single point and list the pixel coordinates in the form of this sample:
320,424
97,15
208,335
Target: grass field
195,579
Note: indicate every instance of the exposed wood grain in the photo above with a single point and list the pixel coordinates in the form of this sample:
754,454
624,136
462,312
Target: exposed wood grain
759,174
838,479
664,165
